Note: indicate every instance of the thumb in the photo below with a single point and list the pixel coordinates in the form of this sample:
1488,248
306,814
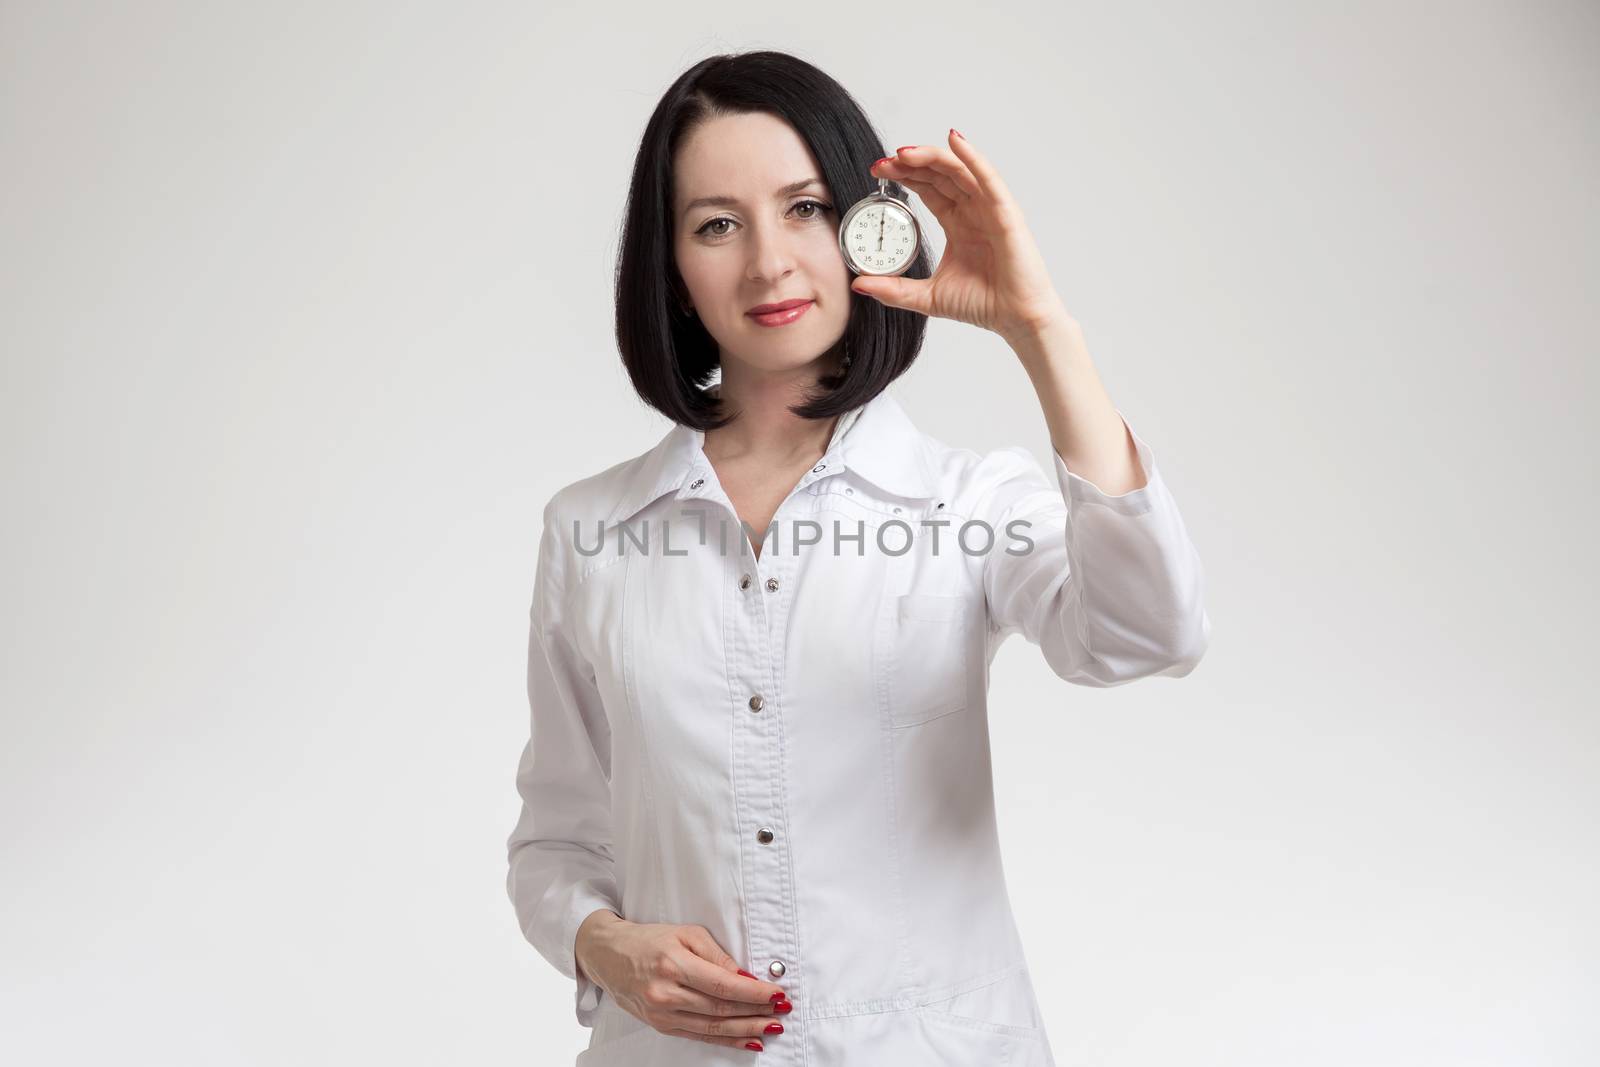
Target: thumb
908,293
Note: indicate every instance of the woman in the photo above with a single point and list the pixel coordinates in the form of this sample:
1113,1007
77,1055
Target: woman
757,801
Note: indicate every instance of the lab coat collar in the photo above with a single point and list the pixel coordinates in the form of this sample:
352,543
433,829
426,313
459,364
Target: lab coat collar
876,440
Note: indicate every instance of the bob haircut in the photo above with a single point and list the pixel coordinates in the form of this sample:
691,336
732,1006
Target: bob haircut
669,354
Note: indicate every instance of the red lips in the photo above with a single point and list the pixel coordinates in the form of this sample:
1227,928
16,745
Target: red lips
767,309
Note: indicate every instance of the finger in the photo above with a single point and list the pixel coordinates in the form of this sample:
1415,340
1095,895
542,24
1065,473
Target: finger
905,173
683,998
930,192
701,971
727,1042
938,200
942,161
912,294
743,1027
942,205
988,178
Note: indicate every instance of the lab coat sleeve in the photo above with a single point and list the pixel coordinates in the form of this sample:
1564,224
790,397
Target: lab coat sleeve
560,852
1112,588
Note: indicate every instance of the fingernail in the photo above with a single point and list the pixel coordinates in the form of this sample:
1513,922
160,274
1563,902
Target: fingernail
958,133
885,159
903,147
753,1044
778,996
746,973
783,1008
774,1028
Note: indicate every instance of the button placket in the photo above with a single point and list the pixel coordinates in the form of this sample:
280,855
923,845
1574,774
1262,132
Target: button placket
760,761
758,765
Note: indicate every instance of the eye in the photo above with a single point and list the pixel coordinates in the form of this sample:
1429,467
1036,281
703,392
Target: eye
818,205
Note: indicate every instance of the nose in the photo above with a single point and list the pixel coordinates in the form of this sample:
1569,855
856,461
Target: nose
771,258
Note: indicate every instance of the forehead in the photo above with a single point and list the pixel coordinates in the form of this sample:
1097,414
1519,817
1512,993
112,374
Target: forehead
744,156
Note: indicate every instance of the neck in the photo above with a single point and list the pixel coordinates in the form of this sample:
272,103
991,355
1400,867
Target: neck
765,428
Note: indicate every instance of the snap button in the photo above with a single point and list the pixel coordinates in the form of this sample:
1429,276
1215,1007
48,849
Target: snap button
764,835
940,507
897,511
744,582
776,968
772,585
697,483
756,703
849,491
818,468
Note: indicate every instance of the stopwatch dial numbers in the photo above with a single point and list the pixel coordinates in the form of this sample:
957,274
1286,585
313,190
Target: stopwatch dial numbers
881,237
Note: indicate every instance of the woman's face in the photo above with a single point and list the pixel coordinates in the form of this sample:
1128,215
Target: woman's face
764,242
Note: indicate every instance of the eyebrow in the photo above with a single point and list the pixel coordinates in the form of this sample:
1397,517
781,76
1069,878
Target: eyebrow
732,201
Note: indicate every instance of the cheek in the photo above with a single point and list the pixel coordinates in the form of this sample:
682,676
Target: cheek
704,275
825,263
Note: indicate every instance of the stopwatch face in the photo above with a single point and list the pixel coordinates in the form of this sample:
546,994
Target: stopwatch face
878,236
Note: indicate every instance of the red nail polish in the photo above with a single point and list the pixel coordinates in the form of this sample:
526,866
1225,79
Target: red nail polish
747,974
958,133
776,997
753,1044
903,147
774,1028
783,1008
885,159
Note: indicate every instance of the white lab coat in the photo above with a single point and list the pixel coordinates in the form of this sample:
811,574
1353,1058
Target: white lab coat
793,751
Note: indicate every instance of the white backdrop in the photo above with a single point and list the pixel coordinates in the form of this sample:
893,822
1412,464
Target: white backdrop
302,302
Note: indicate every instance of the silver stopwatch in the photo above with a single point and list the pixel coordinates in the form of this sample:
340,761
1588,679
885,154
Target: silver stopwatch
879,234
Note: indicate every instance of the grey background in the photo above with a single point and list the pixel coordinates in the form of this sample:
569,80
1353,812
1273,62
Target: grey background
306,313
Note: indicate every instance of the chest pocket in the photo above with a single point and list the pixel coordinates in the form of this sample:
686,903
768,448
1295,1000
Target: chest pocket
932,646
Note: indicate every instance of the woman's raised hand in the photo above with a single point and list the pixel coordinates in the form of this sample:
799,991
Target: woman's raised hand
680,981
991,274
